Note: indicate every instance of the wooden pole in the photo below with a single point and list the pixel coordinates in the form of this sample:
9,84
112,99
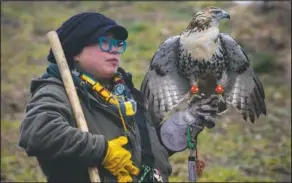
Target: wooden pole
71,91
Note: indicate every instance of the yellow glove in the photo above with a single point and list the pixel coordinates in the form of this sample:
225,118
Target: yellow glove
118,160
124,175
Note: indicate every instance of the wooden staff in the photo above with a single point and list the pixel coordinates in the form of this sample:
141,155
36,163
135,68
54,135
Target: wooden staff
71,91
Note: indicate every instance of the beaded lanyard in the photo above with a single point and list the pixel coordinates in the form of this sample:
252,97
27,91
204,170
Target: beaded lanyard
116,99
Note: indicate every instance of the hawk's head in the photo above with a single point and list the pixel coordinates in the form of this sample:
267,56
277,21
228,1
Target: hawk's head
207,18
201,35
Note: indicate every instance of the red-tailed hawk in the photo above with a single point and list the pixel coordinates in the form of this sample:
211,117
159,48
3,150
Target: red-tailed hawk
199,52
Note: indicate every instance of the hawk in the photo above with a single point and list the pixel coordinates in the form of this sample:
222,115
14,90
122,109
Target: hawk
201,59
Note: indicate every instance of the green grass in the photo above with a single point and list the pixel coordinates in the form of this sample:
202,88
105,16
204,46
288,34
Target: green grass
233,151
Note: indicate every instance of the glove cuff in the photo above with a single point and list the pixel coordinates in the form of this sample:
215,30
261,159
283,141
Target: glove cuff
106,152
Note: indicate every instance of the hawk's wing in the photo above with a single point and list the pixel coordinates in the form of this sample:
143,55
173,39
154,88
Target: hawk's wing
242,88
163,87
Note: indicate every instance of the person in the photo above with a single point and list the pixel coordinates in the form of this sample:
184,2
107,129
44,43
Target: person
122,142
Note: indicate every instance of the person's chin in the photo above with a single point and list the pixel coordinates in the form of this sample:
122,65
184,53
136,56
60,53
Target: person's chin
114,70
110,72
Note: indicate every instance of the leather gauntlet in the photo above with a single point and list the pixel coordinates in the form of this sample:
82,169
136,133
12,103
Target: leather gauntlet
201,112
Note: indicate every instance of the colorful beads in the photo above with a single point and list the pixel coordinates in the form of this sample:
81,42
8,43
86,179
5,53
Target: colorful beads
120,81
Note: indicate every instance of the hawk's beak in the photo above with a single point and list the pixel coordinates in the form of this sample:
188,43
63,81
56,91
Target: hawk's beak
224,14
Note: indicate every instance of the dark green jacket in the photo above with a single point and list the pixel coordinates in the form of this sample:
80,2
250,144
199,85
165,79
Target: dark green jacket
64,152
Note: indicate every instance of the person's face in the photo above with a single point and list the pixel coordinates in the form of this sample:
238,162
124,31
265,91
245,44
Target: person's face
97,62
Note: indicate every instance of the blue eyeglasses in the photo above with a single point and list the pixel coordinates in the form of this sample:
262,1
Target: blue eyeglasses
106,44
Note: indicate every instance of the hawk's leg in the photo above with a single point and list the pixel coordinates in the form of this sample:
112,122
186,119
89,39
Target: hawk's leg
219,89
222,105
194,88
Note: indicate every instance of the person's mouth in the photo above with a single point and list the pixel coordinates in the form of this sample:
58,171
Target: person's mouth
113,61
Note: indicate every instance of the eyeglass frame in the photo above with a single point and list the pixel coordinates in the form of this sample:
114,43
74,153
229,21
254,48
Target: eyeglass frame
112,43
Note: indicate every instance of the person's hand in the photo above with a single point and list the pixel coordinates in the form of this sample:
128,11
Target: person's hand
118,160
204,110
201,112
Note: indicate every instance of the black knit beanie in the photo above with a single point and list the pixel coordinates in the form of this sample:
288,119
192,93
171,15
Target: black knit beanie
82,30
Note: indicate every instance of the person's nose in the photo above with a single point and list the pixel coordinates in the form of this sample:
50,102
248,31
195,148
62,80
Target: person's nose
114,50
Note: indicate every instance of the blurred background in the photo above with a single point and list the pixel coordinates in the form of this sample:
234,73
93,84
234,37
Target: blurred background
234,150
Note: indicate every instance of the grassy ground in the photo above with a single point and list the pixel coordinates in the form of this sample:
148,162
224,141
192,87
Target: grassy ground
233,151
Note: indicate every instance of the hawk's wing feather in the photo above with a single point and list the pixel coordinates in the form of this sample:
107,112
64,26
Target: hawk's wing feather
163,86
242,87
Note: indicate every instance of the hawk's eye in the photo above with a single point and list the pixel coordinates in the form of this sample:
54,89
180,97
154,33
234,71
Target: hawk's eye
216,12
